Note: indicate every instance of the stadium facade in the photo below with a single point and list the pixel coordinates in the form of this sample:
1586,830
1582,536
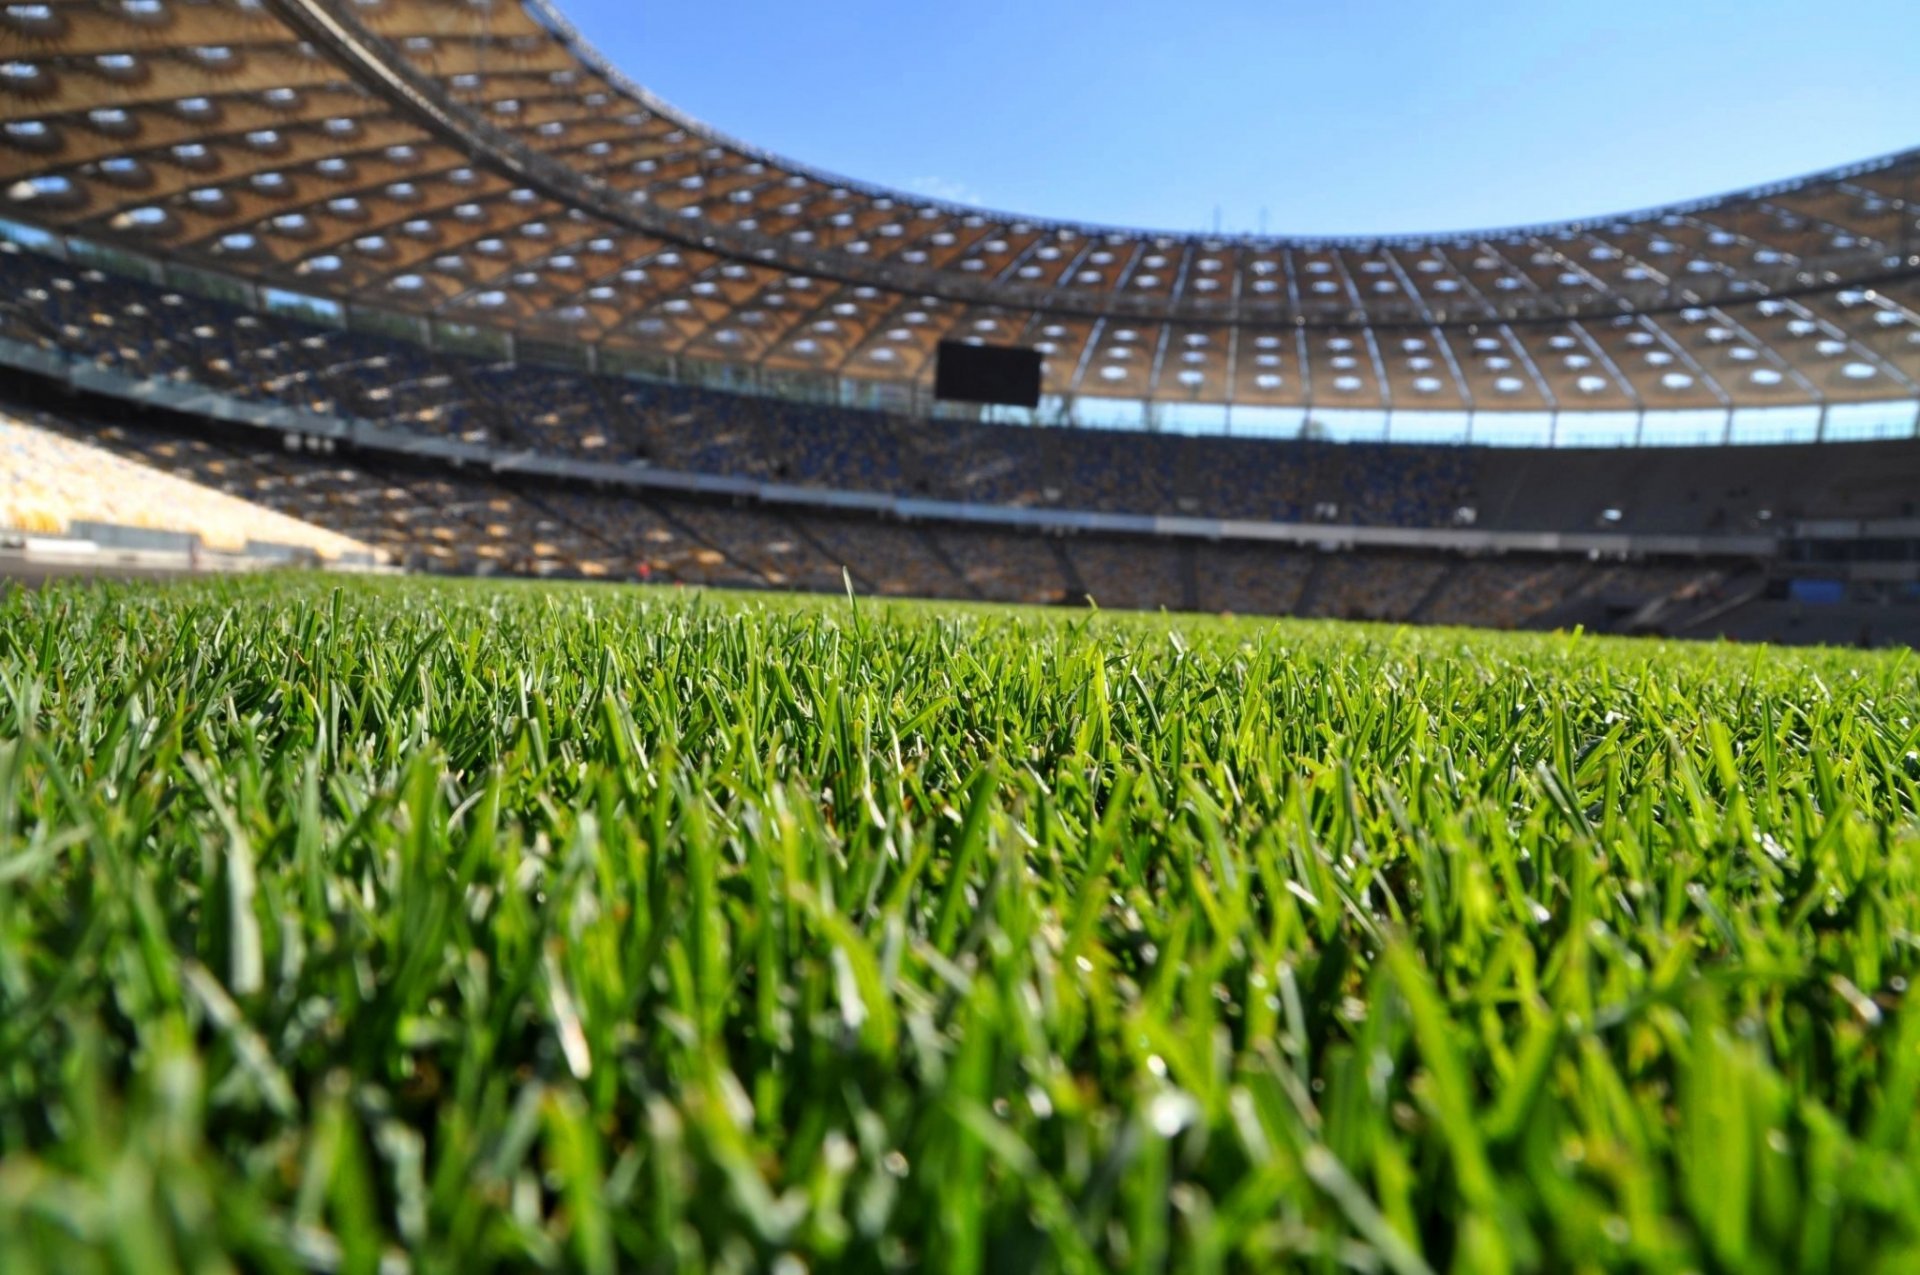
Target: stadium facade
475,179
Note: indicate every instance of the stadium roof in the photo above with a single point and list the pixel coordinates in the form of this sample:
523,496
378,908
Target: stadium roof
479,162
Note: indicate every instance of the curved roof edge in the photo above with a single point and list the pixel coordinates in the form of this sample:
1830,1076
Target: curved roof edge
563,30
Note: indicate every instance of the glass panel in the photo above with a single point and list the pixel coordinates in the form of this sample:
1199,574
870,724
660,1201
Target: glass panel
798,387
117,260
1055,411
1007,414
943,410
1428,427
1757,425
386,323
1109,413
553,354
464,338
1513,429
1347,425
892,396
723,376
205,283
1684,429
32,237
305,308
1858,422
1597,429
1193,418
1266,422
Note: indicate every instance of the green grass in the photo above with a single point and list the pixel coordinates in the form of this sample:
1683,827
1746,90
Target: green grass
487,927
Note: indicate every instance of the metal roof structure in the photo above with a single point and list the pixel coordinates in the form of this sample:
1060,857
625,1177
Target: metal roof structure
477,161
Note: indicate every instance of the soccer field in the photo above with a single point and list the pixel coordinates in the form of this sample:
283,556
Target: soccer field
459,927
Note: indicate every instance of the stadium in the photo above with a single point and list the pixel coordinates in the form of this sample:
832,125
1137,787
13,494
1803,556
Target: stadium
629,917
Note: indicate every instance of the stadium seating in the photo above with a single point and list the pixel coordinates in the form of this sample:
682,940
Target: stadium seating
441,520
1131,574
768,545
1004,566
454,521
145,330
1506,593
1251,579
1383,586
49,482
150,331
885,557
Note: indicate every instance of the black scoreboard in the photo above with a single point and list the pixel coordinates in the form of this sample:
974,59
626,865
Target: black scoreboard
1008,374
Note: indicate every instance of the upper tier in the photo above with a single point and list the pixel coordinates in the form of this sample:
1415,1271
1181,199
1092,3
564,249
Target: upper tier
477,161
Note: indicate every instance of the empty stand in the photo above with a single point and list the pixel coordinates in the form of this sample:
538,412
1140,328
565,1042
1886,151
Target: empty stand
50,482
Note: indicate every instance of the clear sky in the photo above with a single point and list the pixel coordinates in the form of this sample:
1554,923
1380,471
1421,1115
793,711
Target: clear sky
1307,116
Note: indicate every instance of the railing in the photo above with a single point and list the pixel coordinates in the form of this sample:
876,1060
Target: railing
113,545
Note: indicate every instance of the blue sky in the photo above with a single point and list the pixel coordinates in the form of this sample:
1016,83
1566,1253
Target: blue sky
1335,117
